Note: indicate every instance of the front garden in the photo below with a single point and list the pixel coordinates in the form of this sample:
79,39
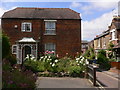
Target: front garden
50,65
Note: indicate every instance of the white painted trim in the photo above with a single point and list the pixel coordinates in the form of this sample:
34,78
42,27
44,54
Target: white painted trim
26,23
112,30
50,20
16,48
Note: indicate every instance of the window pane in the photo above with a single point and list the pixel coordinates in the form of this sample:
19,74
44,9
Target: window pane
50,47
50,27
14,49
26,26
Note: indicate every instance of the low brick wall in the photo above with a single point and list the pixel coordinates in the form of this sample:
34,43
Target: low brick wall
115,64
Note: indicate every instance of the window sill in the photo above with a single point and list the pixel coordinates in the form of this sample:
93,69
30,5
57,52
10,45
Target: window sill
113,39
49,34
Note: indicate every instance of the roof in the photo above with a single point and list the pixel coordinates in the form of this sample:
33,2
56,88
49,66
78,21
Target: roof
42,13
84,41
102,34
25,39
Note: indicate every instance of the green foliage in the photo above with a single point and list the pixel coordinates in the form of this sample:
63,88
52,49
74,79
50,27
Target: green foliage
16,78
111,45
102,60
63,64
90,54
110,49
12,59
51,64
5,46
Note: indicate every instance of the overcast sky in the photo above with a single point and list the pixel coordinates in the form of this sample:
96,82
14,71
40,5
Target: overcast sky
96,15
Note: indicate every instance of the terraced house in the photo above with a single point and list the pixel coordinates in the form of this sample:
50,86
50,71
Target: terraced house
36,30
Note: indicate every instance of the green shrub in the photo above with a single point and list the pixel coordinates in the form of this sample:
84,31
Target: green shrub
16,78
5,46
12,59
89,54
102,60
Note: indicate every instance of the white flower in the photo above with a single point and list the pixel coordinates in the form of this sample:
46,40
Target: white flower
49,57
56,60
78,64
50,63
53,64
45,56
77,59
80,56
87,61
41,57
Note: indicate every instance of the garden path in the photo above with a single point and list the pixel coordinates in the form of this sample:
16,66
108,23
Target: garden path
65,82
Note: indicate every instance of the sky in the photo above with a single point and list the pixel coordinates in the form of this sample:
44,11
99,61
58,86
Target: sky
96,15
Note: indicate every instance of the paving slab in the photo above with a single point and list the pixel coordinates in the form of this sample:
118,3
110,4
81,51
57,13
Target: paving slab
65,82
107,80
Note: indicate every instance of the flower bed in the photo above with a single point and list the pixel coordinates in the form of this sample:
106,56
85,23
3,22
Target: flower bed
49,65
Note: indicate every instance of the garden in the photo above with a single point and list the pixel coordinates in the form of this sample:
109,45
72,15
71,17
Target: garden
50,65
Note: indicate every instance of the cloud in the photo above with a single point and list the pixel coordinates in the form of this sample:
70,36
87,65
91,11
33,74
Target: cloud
1,13
75,5
95,27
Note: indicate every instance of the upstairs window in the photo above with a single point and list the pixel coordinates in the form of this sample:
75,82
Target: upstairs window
26,27
50,27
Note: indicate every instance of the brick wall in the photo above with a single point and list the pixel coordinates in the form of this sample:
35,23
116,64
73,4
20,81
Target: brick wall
67,38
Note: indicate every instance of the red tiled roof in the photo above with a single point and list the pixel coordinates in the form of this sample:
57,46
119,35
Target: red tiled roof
42,13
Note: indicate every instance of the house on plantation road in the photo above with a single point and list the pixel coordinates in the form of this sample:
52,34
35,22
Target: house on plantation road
115,35
36,30
102,41
84,46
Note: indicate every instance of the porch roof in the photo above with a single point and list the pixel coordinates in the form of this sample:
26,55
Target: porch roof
26,39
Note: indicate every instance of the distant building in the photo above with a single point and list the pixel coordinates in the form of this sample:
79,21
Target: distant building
91,44
115,35
102,41
111,35
84,46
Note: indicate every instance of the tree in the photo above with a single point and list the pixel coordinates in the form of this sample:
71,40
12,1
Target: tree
5,46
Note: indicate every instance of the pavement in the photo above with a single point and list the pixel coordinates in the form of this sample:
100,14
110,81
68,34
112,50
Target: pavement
109,79
64,82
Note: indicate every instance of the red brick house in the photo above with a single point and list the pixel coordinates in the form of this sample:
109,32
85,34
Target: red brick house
35,30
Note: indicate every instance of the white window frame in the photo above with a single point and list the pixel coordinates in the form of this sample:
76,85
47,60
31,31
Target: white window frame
50,31
14,52
54,49
23,26
113,36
